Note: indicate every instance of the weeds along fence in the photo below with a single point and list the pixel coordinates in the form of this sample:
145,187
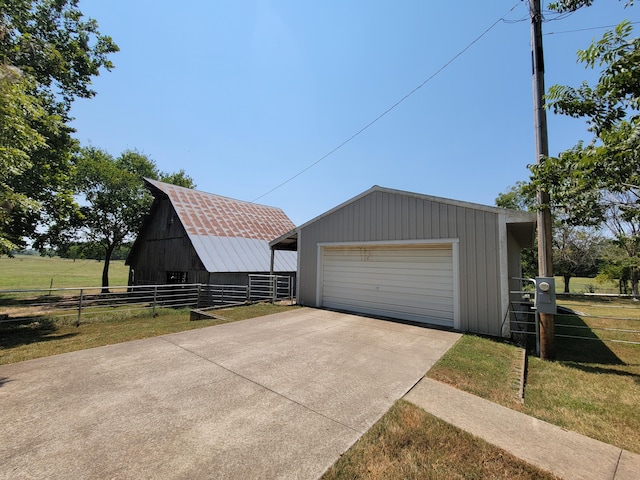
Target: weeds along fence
79,303
584,318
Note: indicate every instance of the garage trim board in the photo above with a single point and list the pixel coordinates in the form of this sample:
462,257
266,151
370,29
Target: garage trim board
414,280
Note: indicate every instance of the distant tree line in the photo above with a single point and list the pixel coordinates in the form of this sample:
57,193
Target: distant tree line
92,251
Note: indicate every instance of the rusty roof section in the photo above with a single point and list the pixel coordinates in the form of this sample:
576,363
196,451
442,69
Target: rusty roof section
207,214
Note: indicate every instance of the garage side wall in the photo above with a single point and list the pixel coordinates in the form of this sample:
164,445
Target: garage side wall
384,216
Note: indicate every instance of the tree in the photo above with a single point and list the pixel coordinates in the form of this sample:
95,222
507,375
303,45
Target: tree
114,200
598,184
575,249
53,53
17,140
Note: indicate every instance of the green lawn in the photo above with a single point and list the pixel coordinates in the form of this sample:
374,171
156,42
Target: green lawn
586,285
35,272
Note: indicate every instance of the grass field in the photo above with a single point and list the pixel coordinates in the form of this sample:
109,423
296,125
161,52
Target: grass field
34,272
586,285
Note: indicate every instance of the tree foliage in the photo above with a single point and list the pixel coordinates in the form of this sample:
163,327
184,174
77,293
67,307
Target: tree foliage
17,140
114,200
573,5
49,54
53,43
575,249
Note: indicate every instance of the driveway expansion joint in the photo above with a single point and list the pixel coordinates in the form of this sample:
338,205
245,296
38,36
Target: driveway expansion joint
306,407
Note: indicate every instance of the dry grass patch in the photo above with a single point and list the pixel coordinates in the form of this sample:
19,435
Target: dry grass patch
408,443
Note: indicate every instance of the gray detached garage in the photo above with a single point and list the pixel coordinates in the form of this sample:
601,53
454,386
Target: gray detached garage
413,257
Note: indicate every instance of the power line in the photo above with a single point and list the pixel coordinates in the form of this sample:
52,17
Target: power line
587,29
392,107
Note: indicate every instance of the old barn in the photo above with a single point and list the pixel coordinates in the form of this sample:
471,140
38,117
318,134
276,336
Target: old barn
191,236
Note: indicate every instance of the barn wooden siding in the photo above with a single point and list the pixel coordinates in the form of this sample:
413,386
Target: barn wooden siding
165,247
388,216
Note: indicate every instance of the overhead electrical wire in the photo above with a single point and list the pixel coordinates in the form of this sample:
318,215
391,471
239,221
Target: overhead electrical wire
587,29
392,107
437,72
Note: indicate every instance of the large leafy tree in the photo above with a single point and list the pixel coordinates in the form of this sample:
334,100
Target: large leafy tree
17,140
52,52
113,200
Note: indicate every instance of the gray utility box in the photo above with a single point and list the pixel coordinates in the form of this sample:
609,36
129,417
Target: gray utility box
546,295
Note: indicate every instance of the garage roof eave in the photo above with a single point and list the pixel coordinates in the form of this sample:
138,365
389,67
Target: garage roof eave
288,241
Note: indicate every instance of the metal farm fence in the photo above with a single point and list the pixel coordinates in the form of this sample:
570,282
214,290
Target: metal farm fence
76,303
606,318
270,287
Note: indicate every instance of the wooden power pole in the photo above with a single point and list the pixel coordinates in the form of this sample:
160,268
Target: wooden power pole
545,254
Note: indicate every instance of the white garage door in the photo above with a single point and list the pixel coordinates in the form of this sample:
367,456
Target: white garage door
409,282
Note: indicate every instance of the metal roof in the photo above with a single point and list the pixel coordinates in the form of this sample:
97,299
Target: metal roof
229,235
226,254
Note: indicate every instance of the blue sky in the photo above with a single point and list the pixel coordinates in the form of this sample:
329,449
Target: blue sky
244,94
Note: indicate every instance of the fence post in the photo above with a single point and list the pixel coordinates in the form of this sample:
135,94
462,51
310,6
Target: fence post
155,296
198,299
290,287
80,308
273,285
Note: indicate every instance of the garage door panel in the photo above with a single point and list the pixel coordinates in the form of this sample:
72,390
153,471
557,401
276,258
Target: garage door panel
408,282
422,287
434,317
414,293
437,299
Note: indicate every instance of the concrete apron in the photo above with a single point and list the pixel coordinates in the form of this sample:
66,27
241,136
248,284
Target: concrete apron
280,396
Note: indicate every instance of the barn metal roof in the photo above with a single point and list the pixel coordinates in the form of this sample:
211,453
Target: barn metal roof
229,235
225,254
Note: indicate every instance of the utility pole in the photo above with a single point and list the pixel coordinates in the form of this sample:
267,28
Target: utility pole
545,254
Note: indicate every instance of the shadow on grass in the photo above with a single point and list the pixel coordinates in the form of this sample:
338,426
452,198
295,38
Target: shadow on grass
33,331
16,301
599,370
588,349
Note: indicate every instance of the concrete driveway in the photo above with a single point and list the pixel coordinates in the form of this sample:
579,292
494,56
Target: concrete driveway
280,396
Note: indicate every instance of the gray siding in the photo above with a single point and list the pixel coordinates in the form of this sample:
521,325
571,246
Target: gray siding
387,216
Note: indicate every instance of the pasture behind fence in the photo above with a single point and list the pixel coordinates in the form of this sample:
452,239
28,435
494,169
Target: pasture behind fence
76,303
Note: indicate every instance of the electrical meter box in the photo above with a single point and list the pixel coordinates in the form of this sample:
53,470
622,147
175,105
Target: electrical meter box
546,295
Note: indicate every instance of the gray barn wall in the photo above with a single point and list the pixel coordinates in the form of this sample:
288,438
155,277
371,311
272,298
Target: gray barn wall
385,216
165,247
